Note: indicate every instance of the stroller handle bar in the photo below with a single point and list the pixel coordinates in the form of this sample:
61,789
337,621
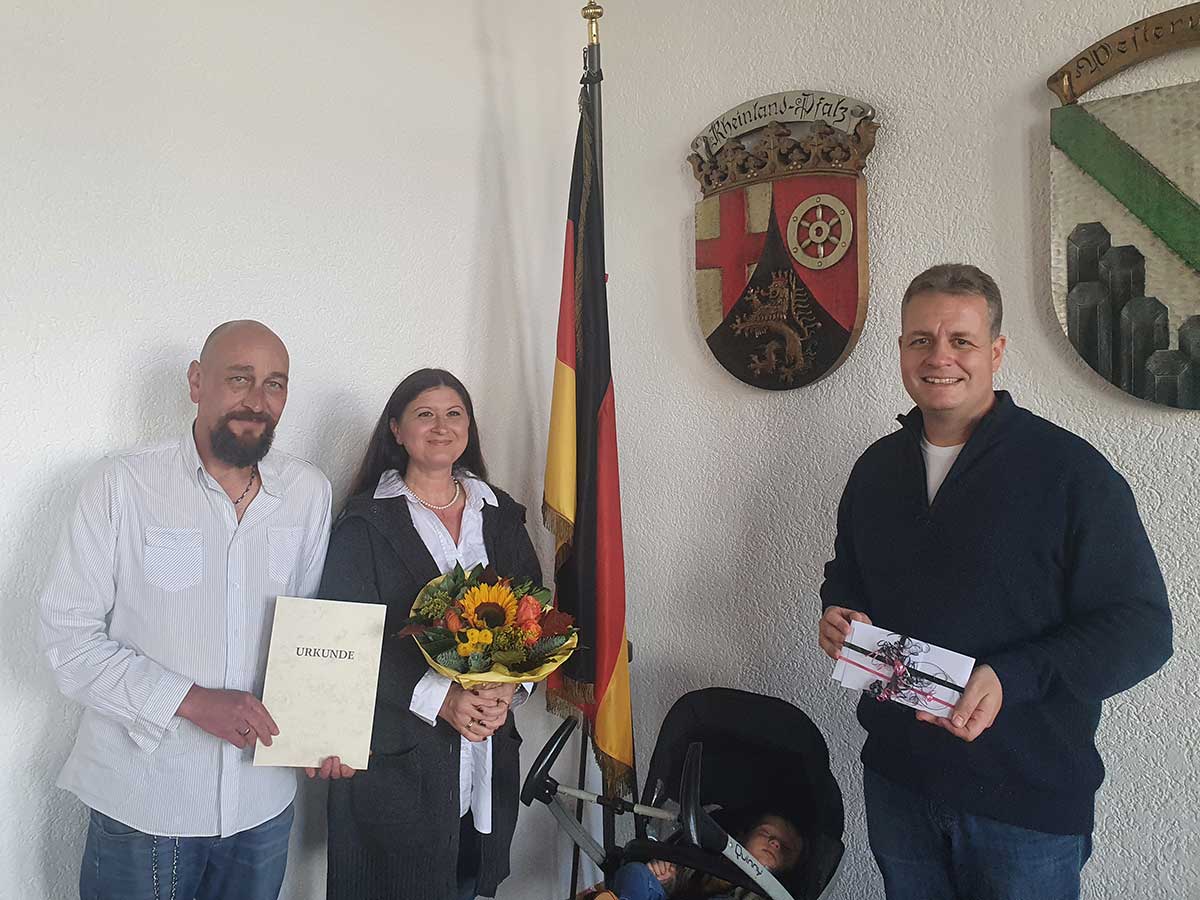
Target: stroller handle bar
617,804
540,785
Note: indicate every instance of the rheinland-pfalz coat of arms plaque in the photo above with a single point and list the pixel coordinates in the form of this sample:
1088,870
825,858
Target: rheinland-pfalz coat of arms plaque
1125,222
781,235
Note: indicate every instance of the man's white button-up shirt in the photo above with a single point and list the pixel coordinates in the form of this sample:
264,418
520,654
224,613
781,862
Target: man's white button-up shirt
156,586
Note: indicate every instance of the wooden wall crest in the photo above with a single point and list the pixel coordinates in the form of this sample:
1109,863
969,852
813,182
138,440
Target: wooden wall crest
781,240
1125,215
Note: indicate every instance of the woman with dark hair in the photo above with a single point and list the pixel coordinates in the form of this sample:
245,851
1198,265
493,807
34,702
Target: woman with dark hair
433,816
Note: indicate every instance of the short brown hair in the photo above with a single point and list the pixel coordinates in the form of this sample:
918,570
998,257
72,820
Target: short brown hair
963,280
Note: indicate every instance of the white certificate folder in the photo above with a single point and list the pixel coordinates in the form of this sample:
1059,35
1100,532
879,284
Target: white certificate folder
322,674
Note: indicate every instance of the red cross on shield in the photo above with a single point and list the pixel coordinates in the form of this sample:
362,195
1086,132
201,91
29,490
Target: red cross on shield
781,276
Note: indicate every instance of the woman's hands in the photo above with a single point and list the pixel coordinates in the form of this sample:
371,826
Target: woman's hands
474,714
332,767
502,693
477,714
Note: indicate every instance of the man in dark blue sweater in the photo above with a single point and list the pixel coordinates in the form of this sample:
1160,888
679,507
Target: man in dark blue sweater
985,529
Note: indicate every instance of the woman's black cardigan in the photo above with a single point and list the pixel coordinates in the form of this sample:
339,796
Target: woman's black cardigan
394,828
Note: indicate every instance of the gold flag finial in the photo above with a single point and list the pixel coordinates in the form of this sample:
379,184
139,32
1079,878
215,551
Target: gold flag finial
592,12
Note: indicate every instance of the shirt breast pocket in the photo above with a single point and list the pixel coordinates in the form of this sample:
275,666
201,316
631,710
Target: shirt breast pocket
173,558
283,554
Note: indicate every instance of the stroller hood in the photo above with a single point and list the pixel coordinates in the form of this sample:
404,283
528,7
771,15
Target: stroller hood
761,755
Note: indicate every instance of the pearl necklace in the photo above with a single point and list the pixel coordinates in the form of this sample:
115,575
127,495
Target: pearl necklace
453,500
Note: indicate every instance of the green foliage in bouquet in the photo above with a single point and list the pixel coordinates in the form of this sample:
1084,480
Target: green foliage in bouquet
509,638
546,646
451,660
468,622
437,640
510,658
435,606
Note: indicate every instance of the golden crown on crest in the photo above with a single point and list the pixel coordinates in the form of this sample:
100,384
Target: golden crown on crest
803,131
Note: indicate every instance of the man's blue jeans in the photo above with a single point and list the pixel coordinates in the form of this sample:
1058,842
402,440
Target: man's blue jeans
635,881
122,863
926,851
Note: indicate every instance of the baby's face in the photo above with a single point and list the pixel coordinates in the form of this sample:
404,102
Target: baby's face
774,843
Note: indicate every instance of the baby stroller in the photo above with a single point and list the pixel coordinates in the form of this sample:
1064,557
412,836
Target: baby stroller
725,757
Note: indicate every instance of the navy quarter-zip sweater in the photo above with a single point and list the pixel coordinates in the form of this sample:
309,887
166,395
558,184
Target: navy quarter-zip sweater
1032,558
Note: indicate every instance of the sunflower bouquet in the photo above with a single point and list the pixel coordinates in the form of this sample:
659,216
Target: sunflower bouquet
478,628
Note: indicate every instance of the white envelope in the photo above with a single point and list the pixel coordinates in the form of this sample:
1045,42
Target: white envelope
927,680
322,675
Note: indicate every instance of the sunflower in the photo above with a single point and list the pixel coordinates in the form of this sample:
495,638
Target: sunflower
490,605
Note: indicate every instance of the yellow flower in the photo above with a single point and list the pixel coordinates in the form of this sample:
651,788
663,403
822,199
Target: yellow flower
490,605
477,639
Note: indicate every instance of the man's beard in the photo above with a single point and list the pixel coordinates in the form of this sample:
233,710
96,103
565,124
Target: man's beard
241,452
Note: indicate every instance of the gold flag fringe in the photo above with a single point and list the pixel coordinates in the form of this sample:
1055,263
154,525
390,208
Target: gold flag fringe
557,524
564,702
563,530
574,693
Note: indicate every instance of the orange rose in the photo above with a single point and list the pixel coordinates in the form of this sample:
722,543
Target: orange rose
532,632
454,621
528,610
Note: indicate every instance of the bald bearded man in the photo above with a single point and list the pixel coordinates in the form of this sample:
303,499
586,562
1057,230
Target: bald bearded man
156,619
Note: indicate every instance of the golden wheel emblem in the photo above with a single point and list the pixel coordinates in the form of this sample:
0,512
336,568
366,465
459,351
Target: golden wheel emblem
819,231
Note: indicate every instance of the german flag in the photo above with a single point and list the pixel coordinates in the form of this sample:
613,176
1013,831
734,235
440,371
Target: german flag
582,502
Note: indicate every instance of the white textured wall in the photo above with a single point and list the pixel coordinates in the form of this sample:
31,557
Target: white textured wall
737,488
385,184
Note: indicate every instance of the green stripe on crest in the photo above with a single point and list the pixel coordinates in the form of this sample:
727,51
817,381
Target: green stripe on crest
1132,179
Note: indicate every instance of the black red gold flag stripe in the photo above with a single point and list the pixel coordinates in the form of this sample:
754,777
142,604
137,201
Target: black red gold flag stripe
582,501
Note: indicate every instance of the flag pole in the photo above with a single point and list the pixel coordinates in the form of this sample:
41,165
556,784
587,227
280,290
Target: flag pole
592,77
583,748
581,499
